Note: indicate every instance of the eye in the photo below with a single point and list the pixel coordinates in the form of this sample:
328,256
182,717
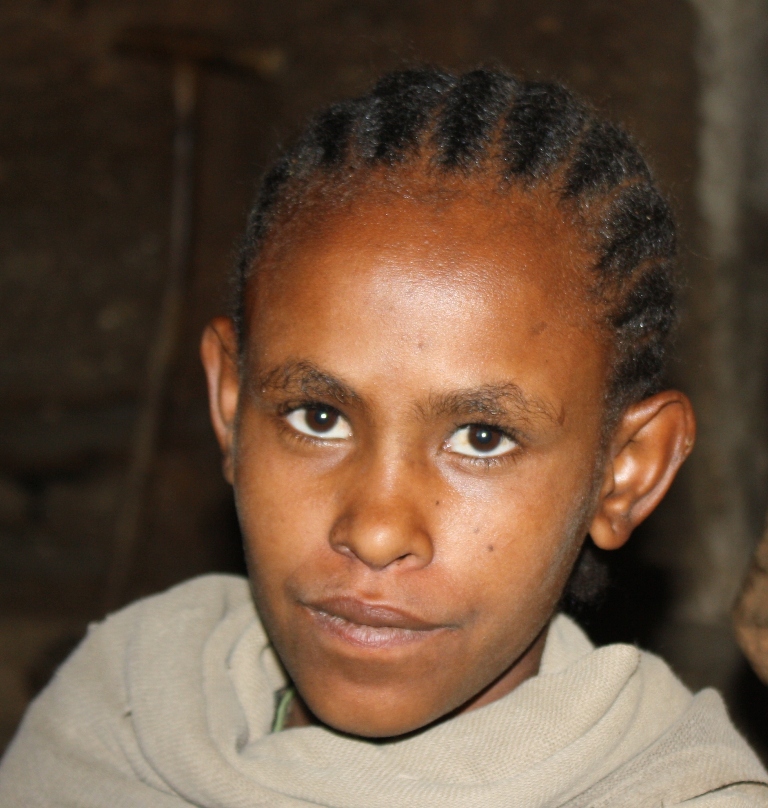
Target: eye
319,421
480,440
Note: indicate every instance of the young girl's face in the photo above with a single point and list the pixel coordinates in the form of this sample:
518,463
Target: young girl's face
418,435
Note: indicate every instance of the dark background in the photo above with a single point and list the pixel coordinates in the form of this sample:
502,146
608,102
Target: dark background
86,136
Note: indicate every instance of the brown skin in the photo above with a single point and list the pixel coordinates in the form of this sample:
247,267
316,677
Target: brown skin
398,324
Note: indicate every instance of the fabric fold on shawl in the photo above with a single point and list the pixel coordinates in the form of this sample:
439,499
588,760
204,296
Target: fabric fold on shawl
170,703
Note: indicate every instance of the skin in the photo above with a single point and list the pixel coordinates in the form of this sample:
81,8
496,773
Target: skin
402,573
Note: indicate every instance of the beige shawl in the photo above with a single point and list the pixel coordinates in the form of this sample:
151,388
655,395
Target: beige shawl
169,702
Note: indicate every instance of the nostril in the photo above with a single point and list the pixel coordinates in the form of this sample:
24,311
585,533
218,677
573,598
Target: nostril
380,537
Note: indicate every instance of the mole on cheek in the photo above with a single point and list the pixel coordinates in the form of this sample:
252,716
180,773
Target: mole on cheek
538,328
490,548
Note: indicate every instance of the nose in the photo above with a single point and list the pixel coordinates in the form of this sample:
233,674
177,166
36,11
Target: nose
383,524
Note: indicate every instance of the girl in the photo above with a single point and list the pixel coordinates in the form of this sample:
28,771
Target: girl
443,373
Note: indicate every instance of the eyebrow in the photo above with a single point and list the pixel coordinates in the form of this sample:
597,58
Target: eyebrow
492,401
304,378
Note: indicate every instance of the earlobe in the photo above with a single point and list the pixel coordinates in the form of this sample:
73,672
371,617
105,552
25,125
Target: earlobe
218,351
650,443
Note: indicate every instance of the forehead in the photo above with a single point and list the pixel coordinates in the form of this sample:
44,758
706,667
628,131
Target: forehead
451,292
493,238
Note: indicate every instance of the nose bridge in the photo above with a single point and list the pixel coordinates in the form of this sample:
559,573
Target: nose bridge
384,516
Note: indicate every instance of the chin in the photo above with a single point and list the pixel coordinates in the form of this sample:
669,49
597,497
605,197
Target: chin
373,724
374,715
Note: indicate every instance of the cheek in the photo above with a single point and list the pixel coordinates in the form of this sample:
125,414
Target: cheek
264,484
511,544
284,505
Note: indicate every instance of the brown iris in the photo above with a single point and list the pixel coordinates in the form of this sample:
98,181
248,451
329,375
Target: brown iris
483,438
321,419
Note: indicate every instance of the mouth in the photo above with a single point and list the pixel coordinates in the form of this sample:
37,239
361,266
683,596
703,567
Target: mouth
370,625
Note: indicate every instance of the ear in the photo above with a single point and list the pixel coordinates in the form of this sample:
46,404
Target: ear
218,350
649,445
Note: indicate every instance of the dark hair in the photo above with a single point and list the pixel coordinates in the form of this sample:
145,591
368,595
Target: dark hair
527,133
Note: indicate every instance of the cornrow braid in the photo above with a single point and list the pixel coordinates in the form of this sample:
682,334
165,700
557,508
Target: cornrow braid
527,133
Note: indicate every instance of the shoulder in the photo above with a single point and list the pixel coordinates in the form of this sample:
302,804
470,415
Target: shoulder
216,595
157,622
82,723
674,747
152,637
203,602
697,754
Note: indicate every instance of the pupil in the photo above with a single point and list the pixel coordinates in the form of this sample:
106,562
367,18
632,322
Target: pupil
483,438
321,419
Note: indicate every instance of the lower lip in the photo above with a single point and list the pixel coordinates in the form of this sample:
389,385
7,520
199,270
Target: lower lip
370,636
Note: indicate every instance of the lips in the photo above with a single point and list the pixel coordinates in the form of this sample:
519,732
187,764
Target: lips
370,625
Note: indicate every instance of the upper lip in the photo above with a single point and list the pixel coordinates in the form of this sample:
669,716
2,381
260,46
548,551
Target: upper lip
366,613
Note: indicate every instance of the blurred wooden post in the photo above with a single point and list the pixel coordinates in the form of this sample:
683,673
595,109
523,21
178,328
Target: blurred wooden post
128,523
189,53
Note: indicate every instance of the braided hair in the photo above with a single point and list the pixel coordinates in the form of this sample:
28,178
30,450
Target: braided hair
526,133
